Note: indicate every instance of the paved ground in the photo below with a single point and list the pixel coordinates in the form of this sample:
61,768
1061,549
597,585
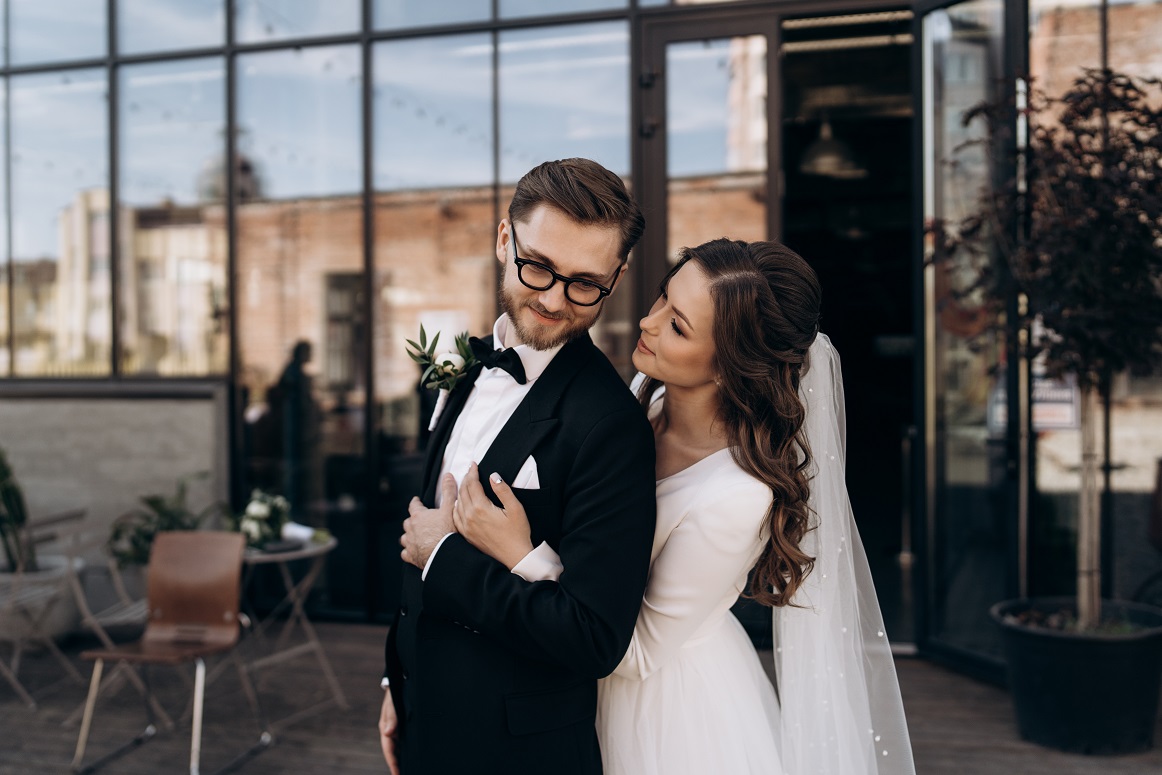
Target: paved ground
958,726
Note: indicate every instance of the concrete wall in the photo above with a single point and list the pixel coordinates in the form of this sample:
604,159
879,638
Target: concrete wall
104,453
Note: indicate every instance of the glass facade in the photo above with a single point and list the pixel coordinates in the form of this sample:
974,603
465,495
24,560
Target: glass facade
371,158
1064,38
148,26
968,543
41,32
564,92
172,230
59,203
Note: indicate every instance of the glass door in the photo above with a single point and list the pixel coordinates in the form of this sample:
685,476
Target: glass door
707,139
708,148
796,127
971,449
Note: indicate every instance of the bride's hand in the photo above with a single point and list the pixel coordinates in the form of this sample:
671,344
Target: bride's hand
502,534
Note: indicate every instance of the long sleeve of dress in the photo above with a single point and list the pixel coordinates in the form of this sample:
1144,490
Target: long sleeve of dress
699,570
700,563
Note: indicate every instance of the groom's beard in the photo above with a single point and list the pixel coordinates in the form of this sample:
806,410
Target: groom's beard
536,336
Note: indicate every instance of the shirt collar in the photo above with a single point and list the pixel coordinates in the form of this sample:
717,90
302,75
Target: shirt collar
534,361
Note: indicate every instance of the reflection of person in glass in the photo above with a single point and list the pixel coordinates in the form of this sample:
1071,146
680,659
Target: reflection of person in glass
487,671
297,410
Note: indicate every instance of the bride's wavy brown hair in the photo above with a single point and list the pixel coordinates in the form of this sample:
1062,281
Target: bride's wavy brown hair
766,316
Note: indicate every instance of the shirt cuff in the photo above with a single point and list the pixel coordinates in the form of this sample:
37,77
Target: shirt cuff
384,682
541,564
432,556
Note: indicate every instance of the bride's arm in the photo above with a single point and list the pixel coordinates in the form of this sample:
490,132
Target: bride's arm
702,562
502,533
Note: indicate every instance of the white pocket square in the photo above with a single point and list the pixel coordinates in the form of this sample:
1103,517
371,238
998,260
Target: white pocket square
526,478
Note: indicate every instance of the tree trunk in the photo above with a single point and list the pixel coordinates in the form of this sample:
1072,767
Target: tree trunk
1089,516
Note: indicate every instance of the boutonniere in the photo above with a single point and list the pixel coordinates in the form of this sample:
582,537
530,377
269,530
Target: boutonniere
442,369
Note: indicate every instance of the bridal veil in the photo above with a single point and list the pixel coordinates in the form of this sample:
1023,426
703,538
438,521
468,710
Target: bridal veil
840,700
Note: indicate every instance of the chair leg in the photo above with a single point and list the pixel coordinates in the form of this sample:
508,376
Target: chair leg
112,683
87,719
146,735
199,700
265,737
17,687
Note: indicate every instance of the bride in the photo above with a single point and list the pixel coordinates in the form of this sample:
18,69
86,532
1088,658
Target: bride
746,401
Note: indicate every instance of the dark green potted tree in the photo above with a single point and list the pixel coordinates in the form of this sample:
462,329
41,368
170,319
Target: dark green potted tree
1076,234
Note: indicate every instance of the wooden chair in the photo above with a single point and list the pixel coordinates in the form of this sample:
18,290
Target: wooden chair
30,603
194,589
124,615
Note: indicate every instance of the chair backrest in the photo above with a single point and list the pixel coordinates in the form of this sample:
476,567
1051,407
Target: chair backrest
194,587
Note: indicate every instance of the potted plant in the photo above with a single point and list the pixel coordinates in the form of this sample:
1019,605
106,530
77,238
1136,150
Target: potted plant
131,538
19,551
1077,234
21,567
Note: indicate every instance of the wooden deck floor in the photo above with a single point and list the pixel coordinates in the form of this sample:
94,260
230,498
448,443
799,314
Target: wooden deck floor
958,726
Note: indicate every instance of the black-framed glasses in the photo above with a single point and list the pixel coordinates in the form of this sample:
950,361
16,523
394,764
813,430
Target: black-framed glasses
538,277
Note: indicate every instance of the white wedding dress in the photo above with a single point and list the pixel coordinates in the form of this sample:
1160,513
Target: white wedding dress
690,695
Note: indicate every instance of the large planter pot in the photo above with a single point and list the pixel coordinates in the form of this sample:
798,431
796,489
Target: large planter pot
64,616
1084,693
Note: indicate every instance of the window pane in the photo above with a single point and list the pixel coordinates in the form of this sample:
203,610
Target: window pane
1137,401
433,112
302,332
1064,37
434,235
1135,29
259,20
716,152
61,30
511,8
396,14
173,312
298,121
564,92
962,55
60,212
162,25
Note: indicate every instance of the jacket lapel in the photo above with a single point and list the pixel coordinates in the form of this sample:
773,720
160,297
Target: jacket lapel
536,416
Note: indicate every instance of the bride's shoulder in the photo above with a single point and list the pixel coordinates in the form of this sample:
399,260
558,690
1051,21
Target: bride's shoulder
727,488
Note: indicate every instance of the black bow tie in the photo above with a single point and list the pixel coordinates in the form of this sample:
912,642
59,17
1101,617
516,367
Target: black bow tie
492,358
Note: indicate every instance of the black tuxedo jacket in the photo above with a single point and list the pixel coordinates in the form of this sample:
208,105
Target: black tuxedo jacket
491,673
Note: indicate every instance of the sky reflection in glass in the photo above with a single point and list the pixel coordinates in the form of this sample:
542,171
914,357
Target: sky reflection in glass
433,112
164,25
513,8
165,106
564,92
59,148
298,118
401,14
59,30
262,20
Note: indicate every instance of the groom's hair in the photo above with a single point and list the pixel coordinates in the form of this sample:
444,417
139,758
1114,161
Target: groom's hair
586,192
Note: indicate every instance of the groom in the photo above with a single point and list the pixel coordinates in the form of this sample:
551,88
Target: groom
487,672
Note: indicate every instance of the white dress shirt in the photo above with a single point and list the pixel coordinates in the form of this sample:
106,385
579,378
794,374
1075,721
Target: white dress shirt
492,402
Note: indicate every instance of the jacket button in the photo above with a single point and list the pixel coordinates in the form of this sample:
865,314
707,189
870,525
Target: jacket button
403,610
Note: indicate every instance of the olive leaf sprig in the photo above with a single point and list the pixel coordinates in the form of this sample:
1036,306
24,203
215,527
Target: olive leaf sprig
442,369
